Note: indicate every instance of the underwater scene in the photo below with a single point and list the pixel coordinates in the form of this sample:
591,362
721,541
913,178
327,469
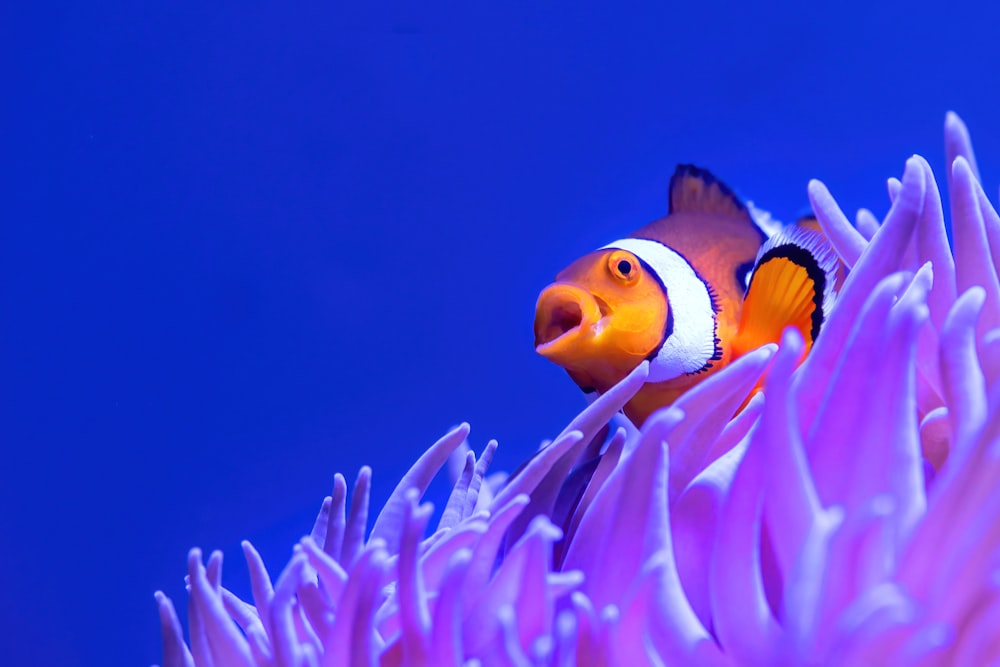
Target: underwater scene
500,334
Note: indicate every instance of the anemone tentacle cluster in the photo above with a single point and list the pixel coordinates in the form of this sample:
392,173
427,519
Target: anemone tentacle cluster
848,515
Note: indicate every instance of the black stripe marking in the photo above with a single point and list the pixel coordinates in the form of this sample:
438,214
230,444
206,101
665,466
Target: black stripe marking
716,308
708,178
668,328
801,257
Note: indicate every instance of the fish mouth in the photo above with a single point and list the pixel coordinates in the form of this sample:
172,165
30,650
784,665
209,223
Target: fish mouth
563,319
565,316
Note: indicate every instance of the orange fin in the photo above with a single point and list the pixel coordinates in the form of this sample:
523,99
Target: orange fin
696,190
792,284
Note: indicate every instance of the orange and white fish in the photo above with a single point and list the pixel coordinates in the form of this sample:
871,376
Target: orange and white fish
690,292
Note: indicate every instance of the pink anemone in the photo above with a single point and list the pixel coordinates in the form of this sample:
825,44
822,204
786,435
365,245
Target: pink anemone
847,516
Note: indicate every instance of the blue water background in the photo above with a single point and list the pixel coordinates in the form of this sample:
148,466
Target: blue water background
246,245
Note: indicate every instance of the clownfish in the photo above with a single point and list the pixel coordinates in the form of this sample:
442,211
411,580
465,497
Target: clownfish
690,292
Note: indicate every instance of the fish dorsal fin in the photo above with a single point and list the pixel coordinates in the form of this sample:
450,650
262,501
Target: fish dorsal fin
792,284
696,190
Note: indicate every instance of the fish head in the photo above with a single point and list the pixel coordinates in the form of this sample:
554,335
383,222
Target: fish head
603,315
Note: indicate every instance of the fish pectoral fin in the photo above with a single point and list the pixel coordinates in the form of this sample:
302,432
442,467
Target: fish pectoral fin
792,285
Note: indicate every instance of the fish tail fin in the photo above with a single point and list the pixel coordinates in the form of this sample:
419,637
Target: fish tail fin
792,284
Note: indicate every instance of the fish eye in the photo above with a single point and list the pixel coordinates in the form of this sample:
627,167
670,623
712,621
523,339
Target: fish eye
624,266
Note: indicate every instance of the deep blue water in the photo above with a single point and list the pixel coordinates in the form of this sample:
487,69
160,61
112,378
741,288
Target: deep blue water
246,245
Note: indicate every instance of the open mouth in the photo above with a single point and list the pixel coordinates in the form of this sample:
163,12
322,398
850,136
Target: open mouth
564,318
563,313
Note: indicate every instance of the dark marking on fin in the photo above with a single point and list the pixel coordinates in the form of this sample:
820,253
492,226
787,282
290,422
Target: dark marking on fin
791,286
802,257
696,190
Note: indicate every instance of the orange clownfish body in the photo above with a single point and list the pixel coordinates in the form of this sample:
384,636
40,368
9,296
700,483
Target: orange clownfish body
690,292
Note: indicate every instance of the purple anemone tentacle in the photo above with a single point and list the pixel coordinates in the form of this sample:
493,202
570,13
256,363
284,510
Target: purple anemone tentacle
388,525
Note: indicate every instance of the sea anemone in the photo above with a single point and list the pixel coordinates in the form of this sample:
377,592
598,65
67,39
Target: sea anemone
846,515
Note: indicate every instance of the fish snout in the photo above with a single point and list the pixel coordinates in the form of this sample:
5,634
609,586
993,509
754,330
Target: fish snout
564,318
